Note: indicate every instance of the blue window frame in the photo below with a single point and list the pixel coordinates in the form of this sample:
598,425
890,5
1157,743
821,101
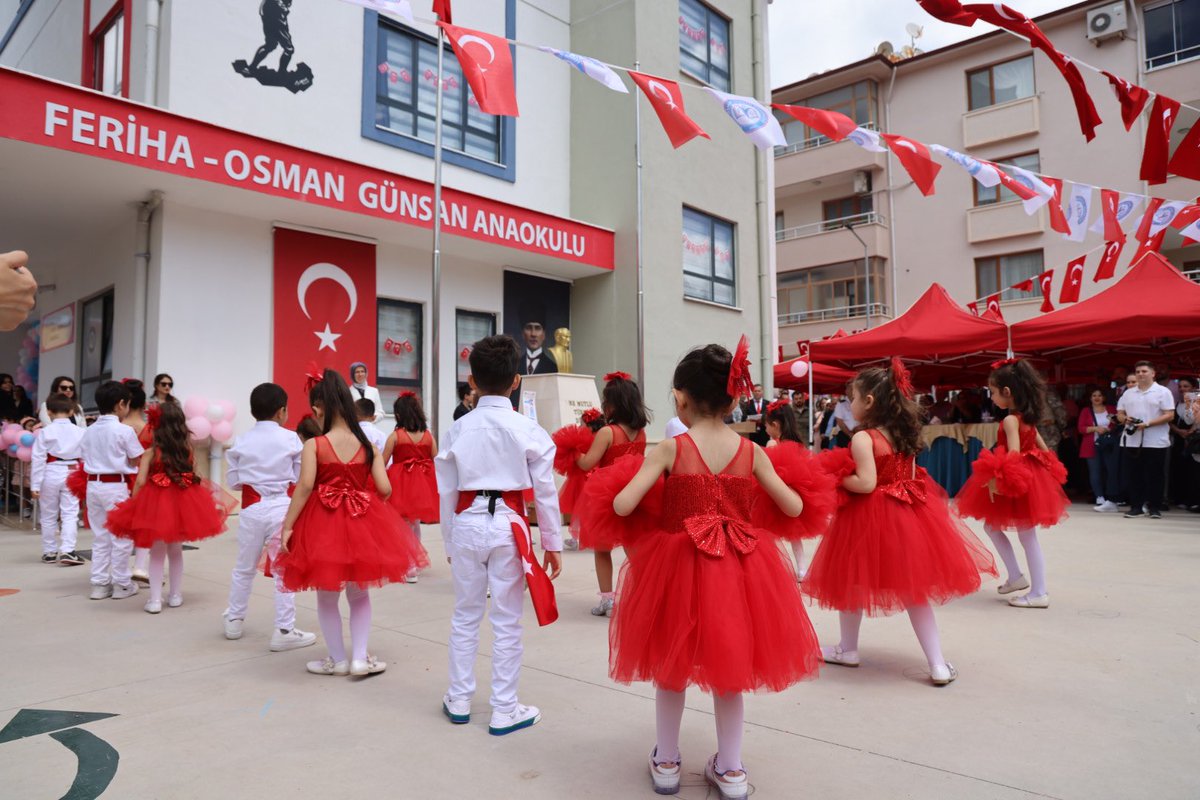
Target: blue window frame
398,100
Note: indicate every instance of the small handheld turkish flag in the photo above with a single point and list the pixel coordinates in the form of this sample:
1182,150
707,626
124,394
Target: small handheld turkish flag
541,589
667,99
1158,139
487,65
1108,262
1046,280
1072,281
915,159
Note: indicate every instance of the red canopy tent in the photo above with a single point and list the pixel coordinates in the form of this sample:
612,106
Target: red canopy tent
793,375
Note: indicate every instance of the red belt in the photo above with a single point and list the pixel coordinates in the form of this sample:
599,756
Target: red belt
515,500
56,459
250,495
107,477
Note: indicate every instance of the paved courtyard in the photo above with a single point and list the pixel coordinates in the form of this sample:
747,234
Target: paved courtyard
1097,697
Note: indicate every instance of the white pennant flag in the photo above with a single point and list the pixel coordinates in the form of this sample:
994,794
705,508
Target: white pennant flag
1166,215
596,70
1079,211
1191,231
755,121
1126,206
397,8
867,140
1045,192
986,174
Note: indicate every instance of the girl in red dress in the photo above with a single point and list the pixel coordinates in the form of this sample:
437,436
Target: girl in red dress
170,505
139,419
410,449
1019,483
894,544
572,442
339,532
705,598
625,435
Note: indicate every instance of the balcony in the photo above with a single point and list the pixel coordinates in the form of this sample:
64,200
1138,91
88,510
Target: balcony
820,158
1003,221
827,243
819,323
1001,122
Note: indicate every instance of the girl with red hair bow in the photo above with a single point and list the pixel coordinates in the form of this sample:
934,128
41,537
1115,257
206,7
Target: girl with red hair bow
410,449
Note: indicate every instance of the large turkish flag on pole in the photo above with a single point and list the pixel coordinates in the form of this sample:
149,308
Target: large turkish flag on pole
324,309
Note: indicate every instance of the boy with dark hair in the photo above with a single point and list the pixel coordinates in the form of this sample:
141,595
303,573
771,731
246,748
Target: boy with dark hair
110,453
366,420
264,463
55,454
487,460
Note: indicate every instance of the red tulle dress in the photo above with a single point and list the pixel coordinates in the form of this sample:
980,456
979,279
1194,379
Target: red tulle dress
1028,486
180,508
605,537
706,599
799,469
346,533
896,547
570,443
414,486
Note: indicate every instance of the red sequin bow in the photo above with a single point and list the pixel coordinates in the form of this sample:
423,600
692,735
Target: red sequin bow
714,534
902,377
740,381
164,481
617,376
332,496
416,464
312,376
408,393
590,416
1004,362
906,491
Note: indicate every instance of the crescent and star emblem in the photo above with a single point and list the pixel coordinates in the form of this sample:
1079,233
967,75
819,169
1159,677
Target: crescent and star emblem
325,271
463,41
656,87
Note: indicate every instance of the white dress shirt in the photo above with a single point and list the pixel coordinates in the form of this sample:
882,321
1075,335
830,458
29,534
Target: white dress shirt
266,457
110,447
60,439
1146,405
76,419
374,435
675,427
368,393
532,357
495,448
842,411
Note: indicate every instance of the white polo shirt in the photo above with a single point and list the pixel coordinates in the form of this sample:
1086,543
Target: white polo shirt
1146,405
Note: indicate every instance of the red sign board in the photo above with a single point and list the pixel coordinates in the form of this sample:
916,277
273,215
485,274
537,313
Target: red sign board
52,114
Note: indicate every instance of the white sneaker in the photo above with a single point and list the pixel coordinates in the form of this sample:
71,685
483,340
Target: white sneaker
101,592
328,666
141,576
666,778
1100,501
458,711
233,627
153,606
286,640
836,655
411,577
1107,507
570,543
1013,585
731,785
943,674
121,592
370,666
520,717
174,600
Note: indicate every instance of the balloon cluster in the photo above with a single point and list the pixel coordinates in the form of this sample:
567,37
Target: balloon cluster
18,442
28,358
209,418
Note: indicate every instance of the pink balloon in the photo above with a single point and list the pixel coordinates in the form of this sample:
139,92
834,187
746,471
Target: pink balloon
200,428
25,454
229,410
195,406
799,368
222,432
12,433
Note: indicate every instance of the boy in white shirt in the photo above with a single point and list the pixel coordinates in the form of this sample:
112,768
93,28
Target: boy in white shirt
55,454
264,463
110,451
366,421
487,460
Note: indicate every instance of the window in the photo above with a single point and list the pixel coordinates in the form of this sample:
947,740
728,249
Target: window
95,351
985,196
998,272
857,101
399,330
708,258
856,210
779,226
1001,83
833,291
1172,32
469,328
108,54
704,44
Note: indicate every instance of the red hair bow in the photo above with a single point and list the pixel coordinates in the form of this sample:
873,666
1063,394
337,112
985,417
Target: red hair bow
739,370
590,416
408,393
312,376
902,377
1004,362
153,415
778,404
617,376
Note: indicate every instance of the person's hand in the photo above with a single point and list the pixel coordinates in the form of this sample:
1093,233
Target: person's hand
34,494
284,539
18,289
552,563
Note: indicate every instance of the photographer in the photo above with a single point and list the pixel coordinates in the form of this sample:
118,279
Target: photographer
1144,410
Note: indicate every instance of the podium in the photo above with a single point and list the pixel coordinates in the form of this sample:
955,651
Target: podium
558,398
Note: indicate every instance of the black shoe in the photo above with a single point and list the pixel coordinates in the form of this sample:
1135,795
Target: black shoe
50,558
1155,515
1132,514
71,559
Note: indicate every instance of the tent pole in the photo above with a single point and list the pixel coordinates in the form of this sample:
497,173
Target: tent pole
812,415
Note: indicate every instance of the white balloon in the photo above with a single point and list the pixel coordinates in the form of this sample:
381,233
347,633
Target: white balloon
215,412
800,368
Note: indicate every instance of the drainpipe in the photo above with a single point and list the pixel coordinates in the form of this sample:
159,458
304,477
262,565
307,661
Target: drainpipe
887,123
764,187
150,87
141,278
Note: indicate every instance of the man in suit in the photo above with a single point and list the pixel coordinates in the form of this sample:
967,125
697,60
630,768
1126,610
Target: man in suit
538,360
757,406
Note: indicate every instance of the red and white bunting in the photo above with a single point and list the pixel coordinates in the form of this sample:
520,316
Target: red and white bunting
1072,281
1108,261
1158,139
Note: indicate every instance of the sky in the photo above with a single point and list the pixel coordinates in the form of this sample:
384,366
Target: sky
810,36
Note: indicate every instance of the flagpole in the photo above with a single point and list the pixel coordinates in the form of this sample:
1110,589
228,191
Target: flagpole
641,292
435,316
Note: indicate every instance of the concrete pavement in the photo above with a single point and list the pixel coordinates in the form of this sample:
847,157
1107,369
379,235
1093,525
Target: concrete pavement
1096,697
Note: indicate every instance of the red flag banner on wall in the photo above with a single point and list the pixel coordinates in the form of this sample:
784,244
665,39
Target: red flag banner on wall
487,65
442,9
1108,262
1072,281
667,99
835,125
1132,97
1046,281
324,308
1158,139
915,159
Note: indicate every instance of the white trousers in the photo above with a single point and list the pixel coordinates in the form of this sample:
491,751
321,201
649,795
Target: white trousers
474,572
110,554
54,501
256,524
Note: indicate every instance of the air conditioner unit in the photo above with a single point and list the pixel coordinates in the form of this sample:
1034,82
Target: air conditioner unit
1106,21
862,182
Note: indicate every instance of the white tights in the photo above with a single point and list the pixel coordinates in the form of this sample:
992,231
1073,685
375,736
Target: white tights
923,623
798,552
729,712
330,617
159,553
1033,555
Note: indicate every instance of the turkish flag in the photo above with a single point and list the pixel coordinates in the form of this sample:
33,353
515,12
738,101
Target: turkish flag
1133,98
974,307
1143,231
949,11
1058,219
324,308
1024,286
1186,216
993,306
487,65
1186,161
1158,139
667,99
442,9
1108,207
1108,262
1021,190
1046,281
1072,281
1152,245
835,125
915,159
541,589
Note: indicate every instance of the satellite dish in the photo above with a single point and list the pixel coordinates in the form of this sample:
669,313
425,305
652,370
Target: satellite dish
885,49
914,30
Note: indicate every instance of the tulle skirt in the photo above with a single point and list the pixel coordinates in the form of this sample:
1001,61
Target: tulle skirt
1033,495
571,492
172,514
883,555
414,492
599,526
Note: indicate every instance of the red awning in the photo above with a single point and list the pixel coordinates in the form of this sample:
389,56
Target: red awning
794,375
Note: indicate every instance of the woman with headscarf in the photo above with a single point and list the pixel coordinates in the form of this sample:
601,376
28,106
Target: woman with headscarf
361,391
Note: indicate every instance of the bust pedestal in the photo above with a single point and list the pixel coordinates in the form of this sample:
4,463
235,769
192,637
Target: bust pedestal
560,398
